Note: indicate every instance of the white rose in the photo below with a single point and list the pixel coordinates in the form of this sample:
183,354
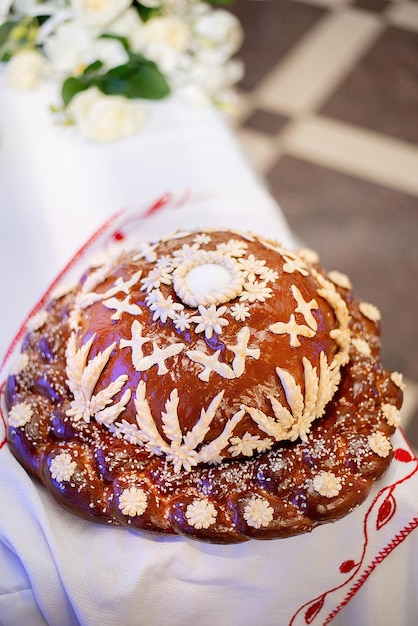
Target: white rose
110,51
221,30
170,31
4,8
185,7
130,26
97,14
163,55
151,4
215,79
106,118
25,7
166,38
194,95
68,48
72,47
26,70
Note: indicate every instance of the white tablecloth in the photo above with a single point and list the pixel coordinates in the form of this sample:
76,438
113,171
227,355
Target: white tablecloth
57,188
56,569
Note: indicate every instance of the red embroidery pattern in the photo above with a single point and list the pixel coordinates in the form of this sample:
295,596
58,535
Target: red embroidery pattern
398,538
3,425
158,205
132,222
314,609
52,286
347,566
385,512
403,455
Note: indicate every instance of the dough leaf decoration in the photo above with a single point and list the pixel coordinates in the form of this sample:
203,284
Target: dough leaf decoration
181,449
83,376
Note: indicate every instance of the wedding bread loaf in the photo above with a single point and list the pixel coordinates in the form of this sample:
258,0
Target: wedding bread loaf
211,384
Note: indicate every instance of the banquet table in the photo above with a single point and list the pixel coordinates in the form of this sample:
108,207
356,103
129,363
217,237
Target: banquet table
65,200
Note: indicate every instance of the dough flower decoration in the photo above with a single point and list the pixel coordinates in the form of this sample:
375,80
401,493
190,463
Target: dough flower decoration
110,58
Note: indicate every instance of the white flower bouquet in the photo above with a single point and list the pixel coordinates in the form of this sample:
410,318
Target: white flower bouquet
110,57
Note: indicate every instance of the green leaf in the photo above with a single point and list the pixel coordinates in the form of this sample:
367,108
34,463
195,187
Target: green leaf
122,40
71,87
151,82
137,59
146,13
93,68
5,30
121,71
135,80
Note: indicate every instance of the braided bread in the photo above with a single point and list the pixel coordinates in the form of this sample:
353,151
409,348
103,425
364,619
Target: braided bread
211,384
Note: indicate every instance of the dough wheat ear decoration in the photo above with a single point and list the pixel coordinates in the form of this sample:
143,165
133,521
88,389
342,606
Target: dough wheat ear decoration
208,383
181,449
83,376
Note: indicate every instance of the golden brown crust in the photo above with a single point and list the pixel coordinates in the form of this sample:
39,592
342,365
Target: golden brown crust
210,384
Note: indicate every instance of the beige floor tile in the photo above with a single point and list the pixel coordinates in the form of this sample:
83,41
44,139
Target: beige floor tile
260,150
319,63
326,4
246,102
355,151
410,403
404,15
